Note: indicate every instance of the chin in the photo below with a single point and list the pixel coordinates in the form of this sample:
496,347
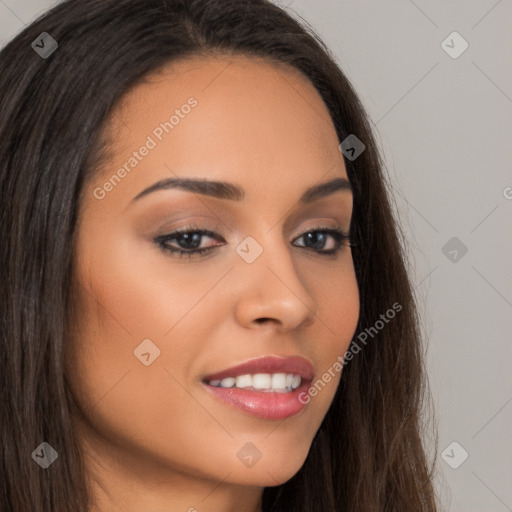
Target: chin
269,473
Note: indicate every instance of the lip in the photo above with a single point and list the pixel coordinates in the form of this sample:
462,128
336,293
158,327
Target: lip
264,404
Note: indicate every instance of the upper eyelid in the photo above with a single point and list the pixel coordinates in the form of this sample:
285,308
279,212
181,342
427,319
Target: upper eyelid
212,233
218,228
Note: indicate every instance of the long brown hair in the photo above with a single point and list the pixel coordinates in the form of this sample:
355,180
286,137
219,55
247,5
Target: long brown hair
368,455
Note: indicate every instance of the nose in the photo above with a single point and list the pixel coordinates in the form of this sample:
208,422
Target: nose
271,291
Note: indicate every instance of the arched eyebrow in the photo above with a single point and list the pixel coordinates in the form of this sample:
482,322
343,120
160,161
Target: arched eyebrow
233,192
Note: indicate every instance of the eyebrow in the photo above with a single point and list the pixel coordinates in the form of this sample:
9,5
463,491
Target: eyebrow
230,191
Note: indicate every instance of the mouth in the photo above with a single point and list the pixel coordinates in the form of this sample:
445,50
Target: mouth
269,387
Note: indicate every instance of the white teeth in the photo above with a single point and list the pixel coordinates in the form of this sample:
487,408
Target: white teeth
243,381
228,382
261,381
279,381
266,382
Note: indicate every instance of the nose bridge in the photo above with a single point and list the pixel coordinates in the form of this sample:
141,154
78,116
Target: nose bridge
273,288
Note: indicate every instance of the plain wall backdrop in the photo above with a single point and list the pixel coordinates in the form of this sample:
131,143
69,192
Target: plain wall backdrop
436,80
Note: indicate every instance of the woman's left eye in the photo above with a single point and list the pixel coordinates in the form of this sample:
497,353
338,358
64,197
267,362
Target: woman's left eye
190,240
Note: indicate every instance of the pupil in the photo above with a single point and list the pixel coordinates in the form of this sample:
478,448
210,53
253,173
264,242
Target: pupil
317,239
194,238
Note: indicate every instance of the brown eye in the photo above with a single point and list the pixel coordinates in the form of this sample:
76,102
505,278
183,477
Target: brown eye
317,242
188,240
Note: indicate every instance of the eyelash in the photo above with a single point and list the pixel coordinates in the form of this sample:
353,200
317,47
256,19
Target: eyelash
162,241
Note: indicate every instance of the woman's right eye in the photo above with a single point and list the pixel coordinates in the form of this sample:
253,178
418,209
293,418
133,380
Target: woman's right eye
191,238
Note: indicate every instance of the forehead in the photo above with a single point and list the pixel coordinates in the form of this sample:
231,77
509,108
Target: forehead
253,121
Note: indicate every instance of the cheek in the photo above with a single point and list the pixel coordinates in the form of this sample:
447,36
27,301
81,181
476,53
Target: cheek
132,292
341,305
338,315
338,298
120,308
136,289
127,297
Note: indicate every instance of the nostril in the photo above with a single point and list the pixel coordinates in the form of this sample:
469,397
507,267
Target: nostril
261,320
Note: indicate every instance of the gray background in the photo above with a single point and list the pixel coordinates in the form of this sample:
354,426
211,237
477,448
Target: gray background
444,126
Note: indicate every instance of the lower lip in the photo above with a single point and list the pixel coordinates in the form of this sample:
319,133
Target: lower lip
267,405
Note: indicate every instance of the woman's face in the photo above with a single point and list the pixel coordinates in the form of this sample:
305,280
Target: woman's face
156,324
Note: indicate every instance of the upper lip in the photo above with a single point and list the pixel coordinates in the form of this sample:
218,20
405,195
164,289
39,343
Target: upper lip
268,364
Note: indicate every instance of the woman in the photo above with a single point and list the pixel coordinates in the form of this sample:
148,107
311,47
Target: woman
205,296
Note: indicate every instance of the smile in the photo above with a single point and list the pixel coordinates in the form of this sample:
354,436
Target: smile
267,387
266,382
